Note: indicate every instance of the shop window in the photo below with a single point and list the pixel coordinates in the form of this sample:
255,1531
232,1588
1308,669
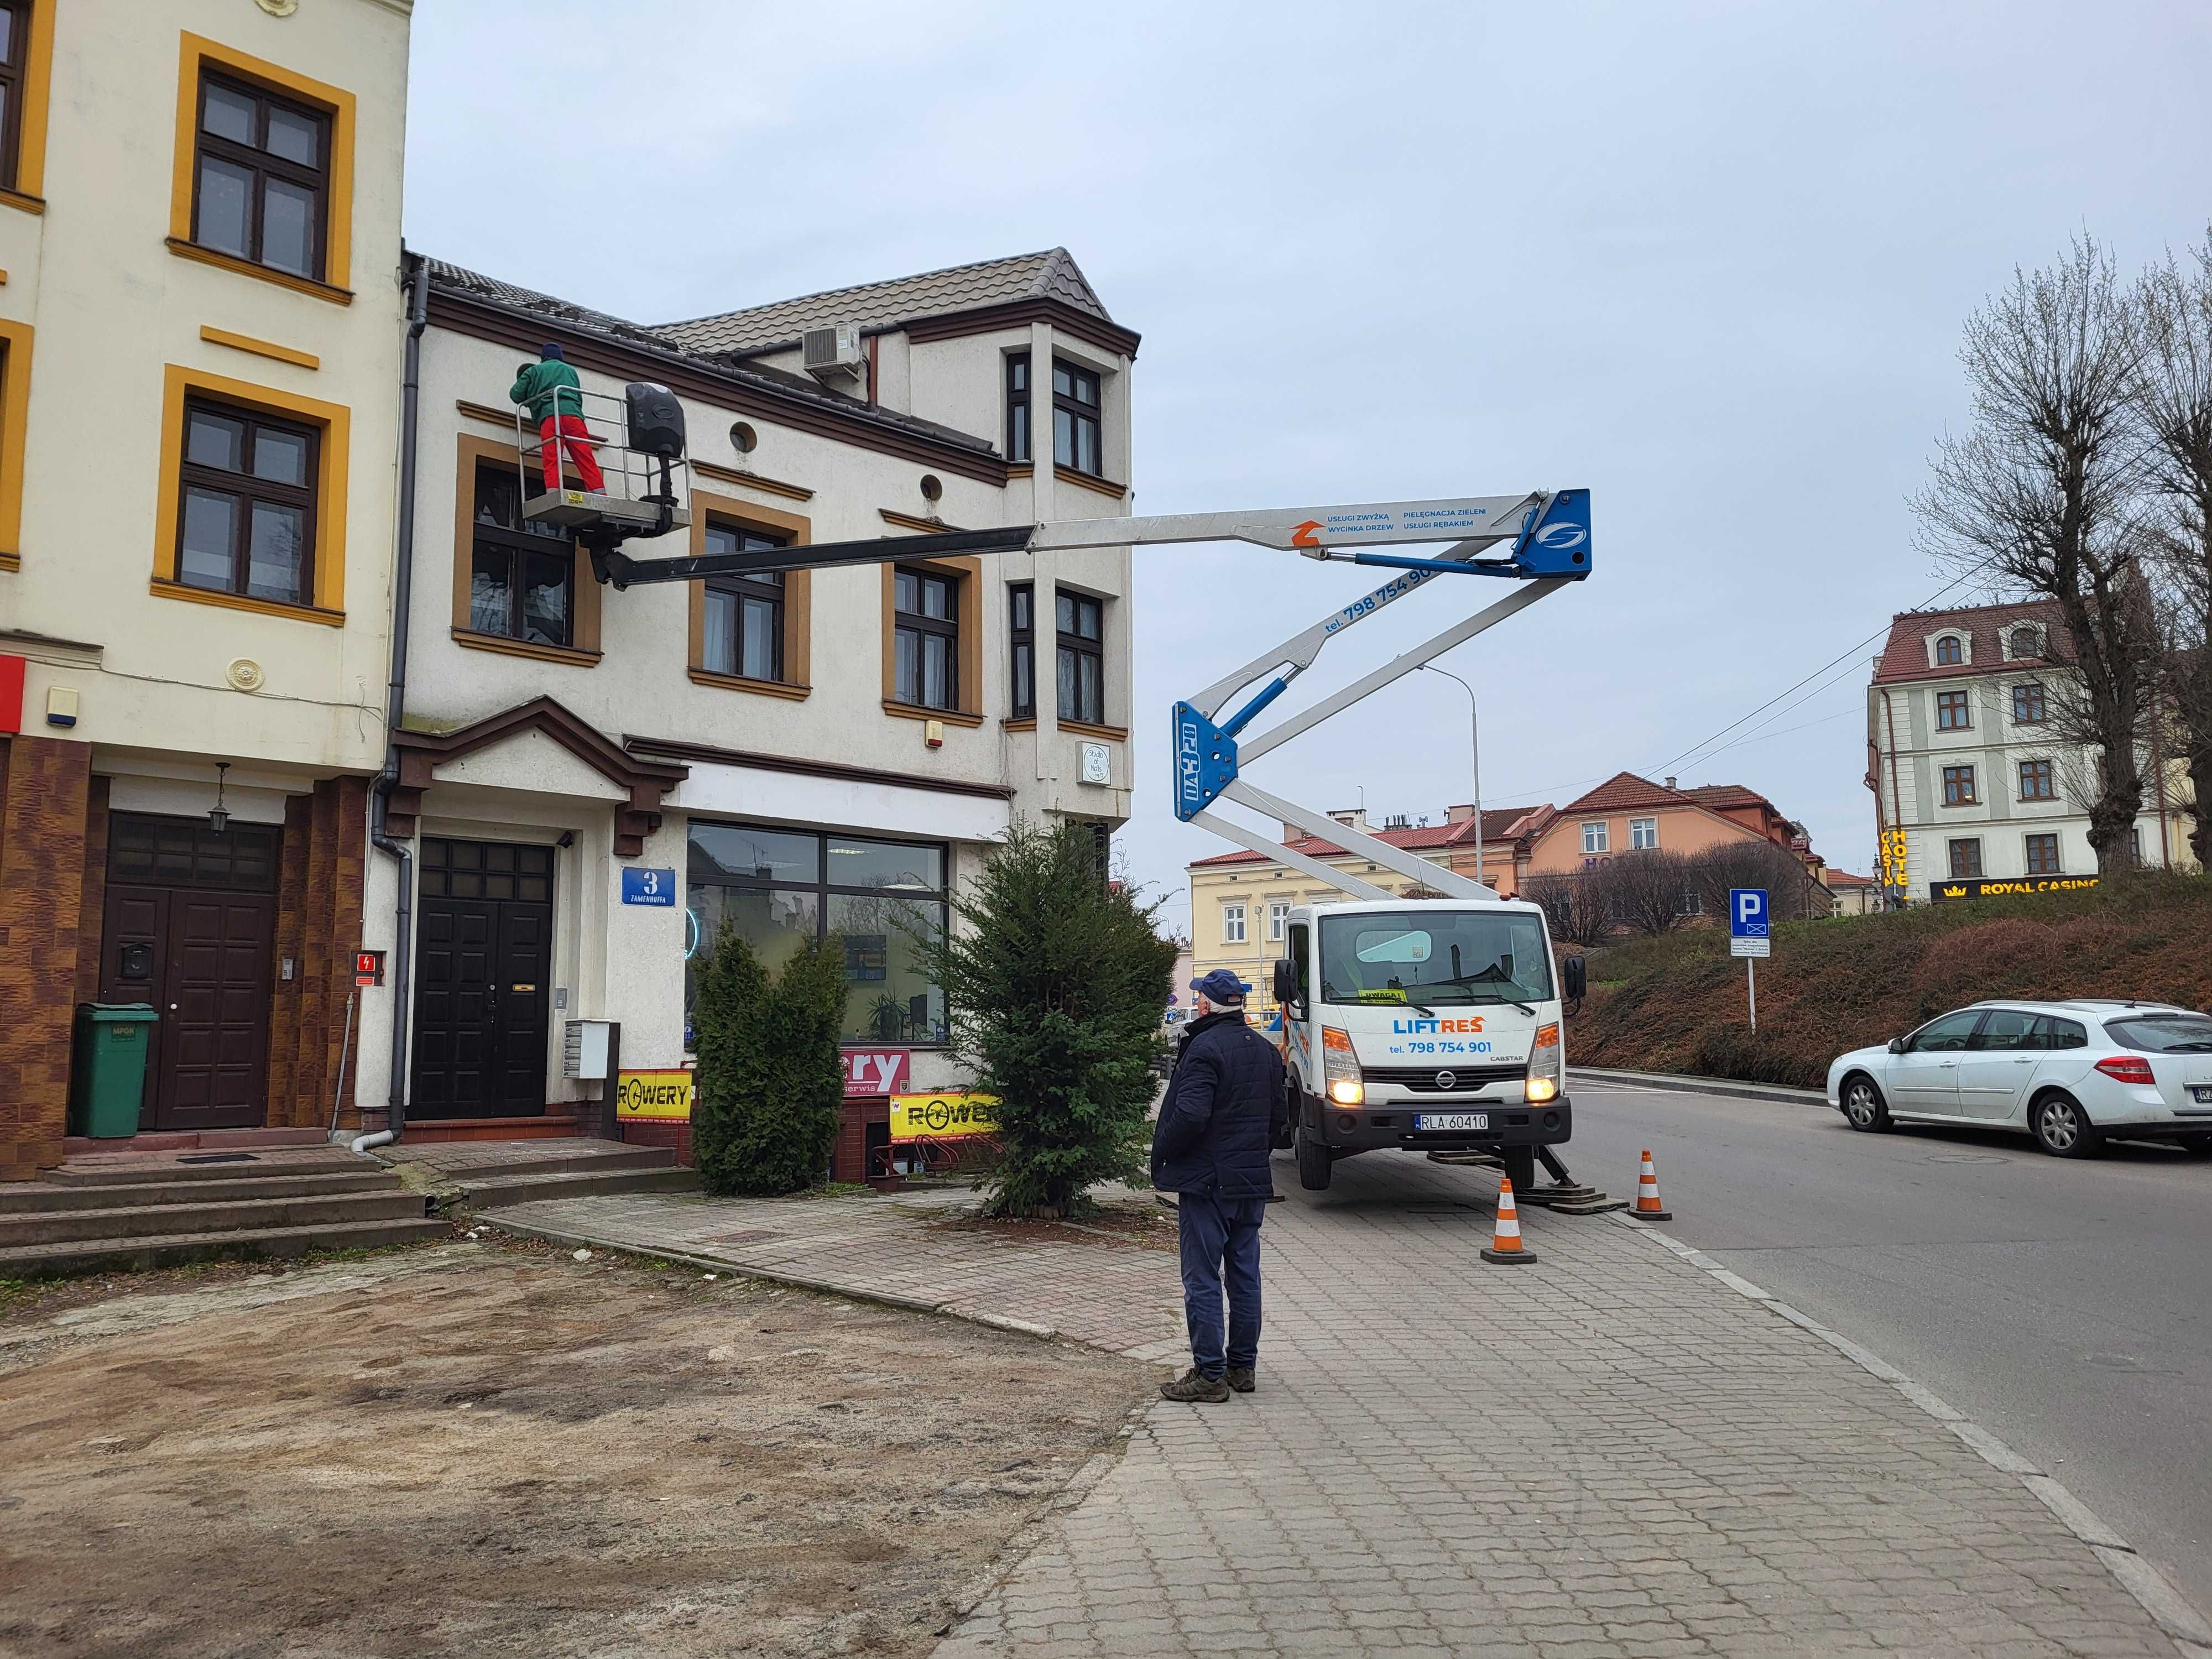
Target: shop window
1952,712
246,504
522,574
2036,782
1967,859
2042,855
781,889
925,644
743,624
261,167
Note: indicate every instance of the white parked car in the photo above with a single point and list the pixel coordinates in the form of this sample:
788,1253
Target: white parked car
2072,1074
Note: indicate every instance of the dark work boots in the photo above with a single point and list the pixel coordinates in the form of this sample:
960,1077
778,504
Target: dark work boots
1241,1379
1195,1390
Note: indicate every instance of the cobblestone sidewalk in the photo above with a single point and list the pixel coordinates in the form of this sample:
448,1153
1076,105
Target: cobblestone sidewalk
1609,1454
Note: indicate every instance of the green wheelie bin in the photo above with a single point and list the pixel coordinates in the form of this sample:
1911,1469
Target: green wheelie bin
108,1076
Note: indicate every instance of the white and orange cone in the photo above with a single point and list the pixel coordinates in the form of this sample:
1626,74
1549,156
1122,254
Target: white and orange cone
1505,1245
1648,1205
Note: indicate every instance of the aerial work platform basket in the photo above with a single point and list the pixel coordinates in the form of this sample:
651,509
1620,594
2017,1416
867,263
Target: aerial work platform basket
636,441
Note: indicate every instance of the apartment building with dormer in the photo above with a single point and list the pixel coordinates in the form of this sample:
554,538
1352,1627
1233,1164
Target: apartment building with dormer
1978,788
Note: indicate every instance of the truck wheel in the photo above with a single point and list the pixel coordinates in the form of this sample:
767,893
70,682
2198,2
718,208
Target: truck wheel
1520,1167
1291,1090
1314,1162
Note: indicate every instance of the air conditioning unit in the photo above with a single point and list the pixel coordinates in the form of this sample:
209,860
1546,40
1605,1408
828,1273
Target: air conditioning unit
834,353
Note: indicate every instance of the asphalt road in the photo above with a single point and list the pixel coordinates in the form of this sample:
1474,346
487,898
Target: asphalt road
2064,1306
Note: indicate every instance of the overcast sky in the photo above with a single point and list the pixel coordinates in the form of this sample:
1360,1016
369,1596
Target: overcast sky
1709,260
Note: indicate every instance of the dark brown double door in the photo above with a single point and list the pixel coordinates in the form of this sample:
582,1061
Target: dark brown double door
482,970
190,926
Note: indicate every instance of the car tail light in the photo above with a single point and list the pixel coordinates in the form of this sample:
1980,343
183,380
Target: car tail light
1340,1067
1544,1065
2129,1069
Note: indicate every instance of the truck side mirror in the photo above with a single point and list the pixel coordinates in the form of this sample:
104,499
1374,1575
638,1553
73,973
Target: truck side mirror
1576,976
1286,981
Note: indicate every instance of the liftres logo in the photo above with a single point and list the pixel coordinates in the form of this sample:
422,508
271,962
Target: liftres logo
1471,1027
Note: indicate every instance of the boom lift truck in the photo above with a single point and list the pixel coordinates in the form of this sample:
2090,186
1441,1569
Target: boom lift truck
1428,1024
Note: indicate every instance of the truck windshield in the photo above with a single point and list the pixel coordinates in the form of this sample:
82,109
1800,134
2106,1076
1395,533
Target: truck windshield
1434,955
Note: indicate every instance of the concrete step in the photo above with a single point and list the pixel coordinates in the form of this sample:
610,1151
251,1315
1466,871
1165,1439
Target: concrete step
112,1255
235,1215
38,1197
454,1163
127,1168
495,1192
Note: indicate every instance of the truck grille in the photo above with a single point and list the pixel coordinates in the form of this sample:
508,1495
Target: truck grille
1431,1080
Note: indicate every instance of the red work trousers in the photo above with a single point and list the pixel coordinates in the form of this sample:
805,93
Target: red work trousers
573,437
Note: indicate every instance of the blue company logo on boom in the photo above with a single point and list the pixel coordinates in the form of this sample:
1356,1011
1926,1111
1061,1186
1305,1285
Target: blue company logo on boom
1562,536
1186,746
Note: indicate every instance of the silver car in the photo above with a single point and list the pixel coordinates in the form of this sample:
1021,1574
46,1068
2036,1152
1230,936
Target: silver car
2073,1074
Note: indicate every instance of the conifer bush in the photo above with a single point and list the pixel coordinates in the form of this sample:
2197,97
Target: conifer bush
771,1080
1055,982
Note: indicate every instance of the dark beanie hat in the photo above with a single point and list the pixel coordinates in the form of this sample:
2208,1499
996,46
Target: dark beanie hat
549,350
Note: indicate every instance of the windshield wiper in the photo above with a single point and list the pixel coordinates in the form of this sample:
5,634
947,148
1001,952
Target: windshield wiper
1489,973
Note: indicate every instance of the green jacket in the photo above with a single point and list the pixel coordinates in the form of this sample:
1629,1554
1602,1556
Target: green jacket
542,383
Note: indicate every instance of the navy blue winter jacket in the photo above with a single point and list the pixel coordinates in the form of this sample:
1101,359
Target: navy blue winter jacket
1224,1104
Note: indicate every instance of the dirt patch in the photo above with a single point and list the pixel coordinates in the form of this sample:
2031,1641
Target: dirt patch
493,1448
1152,1229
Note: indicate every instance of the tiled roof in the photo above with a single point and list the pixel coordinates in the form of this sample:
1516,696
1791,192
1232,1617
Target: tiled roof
457,279
1498,825
1625,791
1845,878
1051,275
1905,656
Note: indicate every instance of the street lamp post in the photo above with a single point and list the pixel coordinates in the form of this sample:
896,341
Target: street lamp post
1474,747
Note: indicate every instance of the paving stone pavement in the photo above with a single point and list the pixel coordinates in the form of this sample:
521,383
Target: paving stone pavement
1605,1455
1121,1298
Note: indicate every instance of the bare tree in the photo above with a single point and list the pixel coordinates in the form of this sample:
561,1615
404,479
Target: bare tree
1652,889
2174,398
2041,495
1573,904
1792,894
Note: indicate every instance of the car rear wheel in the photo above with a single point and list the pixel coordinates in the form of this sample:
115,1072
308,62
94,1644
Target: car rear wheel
1863,1106
2062,1129
1314,1162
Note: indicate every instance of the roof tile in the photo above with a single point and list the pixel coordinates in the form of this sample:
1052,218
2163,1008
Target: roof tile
1905,656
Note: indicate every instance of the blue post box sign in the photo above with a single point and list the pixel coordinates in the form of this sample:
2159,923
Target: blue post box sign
649,887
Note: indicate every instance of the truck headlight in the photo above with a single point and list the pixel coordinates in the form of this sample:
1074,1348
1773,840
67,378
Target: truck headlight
1340,1067
1546,1065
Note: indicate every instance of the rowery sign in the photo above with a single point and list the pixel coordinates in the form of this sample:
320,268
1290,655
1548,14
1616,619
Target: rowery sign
944,1116
1940,891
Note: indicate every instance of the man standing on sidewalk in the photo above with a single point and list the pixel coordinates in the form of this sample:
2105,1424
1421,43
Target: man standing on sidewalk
555,395
1224,1104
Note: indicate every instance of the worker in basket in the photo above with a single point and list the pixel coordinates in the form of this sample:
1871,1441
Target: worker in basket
555,395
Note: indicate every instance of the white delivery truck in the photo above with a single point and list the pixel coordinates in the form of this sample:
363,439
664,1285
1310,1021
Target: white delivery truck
1423,1024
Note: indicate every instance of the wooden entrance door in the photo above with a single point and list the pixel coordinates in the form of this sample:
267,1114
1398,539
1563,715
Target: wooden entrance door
482,974
191,926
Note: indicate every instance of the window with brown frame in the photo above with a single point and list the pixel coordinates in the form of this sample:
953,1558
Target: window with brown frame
742,631
1959,786
1081,657
1022,630
14,38
1952,713
1076,443
1967,859
246,504
2036,782
260,177
522,574
2042,855
1949,652
926,646
2028,707
1018,407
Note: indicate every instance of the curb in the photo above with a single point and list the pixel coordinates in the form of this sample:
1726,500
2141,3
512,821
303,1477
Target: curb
2173,1613
1701,1085
776,1276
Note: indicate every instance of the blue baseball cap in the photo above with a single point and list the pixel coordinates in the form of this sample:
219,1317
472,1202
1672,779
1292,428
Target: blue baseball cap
1221,986
553,351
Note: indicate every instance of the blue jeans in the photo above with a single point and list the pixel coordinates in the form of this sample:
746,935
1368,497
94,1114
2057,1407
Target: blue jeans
1220,1239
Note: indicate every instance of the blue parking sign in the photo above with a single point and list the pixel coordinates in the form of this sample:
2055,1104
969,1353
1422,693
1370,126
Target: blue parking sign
1748,912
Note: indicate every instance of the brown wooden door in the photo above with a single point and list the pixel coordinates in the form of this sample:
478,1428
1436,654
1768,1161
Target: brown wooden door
186,930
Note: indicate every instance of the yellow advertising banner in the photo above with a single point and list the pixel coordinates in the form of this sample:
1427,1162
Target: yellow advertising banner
654,1094
944,1115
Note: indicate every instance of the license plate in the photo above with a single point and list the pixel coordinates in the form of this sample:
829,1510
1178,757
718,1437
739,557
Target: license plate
1451,1121
2202,1091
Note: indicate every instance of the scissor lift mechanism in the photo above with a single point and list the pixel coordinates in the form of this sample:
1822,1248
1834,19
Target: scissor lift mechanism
1547,545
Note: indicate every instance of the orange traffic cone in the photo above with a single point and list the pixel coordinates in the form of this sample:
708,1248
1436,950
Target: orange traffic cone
1648,1206
1506,1244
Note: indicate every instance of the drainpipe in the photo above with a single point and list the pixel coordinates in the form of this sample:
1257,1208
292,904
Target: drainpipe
403,585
